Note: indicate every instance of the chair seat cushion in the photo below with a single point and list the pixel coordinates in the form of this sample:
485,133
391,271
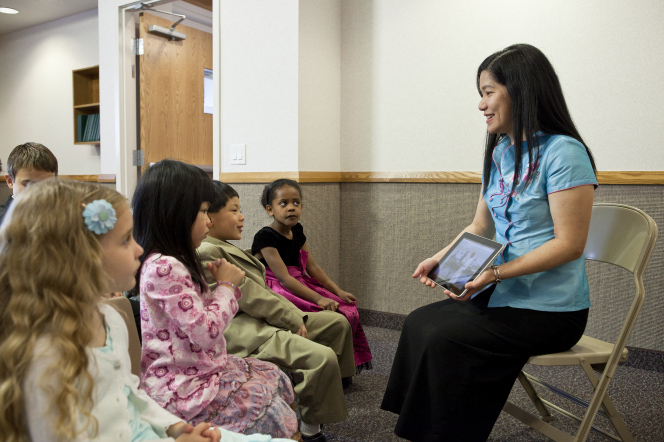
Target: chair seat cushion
592,350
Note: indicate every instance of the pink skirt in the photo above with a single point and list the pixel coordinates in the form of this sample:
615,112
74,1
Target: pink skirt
360,345
254,397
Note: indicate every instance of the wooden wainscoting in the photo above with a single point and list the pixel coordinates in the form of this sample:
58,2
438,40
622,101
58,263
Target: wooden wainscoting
463,177
104,178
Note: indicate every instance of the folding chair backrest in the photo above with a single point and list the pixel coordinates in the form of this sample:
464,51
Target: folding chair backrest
123,306
624,236
617,235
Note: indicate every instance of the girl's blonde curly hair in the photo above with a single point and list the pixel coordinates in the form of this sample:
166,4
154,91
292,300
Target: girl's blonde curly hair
51,279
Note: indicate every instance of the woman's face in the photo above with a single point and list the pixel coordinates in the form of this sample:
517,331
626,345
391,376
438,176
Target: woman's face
201,225
496,105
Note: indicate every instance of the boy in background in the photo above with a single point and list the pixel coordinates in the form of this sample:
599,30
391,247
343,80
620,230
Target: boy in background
28,163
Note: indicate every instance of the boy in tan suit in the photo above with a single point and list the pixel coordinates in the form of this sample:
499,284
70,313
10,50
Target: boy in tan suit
316,348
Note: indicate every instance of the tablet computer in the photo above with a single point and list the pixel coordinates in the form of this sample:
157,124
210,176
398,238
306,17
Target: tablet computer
469,256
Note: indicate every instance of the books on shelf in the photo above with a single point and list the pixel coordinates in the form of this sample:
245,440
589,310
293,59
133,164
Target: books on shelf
87,128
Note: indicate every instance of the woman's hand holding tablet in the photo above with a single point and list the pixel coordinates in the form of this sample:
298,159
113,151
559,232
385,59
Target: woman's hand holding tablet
464,262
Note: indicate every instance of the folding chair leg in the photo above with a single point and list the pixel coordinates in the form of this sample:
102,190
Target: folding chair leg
607,405
538,424
532,393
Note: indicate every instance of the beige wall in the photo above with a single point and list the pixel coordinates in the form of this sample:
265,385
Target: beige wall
408,95
369,238
36,91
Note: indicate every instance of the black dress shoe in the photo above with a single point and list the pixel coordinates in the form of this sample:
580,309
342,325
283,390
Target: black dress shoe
318,437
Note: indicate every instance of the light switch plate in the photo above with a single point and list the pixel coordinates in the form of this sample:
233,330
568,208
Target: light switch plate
238,154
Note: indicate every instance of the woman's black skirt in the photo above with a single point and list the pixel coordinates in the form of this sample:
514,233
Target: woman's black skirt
457,361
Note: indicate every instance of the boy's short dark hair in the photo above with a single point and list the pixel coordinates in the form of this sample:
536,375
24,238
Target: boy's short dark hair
222,193
31,156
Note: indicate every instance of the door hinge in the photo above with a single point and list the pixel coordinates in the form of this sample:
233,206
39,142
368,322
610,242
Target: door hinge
137,46
138,158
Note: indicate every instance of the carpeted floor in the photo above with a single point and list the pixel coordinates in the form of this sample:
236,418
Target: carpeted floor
638,394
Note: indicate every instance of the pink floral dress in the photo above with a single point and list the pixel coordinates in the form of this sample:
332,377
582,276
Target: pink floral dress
184,365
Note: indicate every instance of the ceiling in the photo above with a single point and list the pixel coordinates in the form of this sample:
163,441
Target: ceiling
35,12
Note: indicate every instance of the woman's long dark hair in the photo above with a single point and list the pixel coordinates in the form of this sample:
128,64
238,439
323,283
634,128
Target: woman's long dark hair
165,205
538,103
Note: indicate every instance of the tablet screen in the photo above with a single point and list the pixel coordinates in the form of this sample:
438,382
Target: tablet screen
467,258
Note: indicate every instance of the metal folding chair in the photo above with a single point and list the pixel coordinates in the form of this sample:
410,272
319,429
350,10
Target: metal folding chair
123,306
624,236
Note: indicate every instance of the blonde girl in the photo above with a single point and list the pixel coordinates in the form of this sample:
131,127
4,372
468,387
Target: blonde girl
64,366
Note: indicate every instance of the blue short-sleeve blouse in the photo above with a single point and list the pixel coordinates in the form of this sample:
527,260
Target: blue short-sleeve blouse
523,221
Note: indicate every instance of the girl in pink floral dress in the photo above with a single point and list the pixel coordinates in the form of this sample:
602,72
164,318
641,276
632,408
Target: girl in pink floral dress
184,365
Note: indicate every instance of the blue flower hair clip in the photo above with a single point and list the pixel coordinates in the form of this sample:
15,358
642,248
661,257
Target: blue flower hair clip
99,216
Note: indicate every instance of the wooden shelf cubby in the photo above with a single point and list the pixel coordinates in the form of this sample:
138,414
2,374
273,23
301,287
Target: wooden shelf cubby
86,98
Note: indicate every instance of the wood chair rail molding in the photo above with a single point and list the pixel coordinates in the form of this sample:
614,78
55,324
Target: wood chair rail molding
104,178
617,177
608,177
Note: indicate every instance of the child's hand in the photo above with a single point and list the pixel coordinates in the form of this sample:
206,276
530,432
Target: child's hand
176,430
223,270
213,433
302,331
199,433
348,297
328,304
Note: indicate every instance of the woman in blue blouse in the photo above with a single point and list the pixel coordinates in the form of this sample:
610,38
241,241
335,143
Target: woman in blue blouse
458,359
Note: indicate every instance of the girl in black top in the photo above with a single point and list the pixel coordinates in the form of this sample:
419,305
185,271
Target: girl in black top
292,271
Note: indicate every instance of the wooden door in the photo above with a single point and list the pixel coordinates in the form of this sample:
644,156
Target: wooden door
173,124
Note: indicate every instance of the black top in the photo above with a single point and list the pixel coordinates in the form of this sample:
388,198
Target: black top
5,207
289,249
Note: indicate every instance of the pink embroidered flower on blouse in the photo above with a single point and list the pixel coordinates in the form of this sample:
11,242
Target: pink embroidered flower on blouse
147,336
200,320
153,355
175,289
224,317
163,335
186,303
149,286
214,331
190,371
195,348
161,372
211,354
164,269
144,315
180,334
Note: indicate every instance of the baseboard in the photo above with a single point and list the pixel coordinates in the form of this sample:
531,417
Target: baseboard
646,359
373,318
643,358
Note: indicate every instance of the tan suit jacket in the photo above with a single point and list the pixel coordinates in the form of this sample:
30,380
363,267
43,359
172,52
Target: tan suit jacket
258,304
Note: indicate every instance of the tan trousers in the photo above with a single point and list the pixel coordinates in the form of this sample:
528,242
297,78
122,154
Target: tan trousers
317,364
